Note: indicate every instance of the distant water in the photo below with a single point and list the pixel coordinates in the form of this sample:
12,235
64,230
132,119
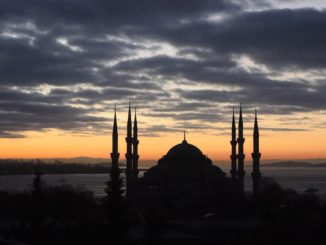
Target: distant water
295,178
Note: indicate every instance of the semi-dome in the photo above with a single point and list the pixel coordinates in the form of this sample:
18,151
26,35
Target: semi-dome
184,150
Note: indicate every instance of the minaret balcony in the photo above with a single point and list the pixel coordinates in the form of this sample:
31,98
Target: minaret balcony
233,142
115,155
241,140
256,155
233,157
135,142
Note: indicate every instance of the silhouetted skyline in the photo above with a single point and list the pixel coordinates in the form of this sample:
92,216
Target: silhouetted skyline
185,168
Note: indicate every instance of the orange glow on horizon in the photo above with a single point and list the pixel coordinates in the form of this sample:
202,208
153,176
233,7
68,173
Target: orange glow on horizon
54,144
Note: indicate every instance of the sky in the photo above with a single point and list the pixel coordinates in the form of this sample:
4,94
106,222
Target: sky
184,64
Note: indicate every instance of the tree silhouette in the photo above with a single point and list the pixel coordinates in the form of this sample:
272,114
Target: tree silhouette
37,209
38,183
115,205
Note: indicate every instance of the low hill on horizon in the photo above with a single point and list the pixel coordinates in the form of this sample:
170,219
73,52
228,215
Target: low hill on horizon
149,163
295,164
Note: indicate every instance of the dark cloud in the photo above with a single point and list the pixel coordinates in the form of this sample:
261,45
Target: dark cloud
111,13
92,54
279,38
21,112
285,129
274,98
10,135
60,109
189,116
178,106
21,117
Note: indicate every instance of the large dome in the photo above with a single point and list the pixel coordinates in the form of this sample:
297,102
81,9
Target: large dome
184,150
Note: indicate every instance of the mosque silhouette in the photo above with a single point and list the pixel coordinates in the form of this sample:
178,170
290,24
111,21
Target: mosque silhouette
185,180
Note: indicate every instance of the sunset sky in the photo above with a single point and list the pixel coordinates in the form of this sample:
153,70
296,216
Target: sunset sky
184,64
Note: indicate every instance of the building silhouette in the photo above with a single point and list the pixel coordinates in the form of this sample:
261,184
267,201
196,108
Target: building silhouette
184,178
233,155
129,156
135,155
256,174
241,156
115,152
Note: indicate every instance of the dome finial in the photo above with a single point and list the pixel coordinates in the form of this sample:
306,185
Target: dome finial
184,137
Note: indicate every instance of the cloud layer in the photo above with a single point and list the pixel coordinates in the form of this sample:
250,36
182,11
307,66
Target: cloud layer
65,63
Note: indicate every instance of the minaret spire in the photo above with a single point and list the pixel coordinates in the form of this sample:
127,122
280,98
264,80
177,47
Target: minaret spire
135,143
233,142
115,153
129,151
241,156
256,174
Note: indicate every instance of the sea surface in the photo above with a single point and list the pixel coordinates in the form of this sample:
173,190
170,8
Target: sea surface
289,177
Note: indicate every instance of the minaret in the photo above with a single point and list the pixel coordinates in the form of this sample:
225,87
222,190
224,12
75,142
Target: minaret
115,153
233,155
129,152
256,175
241,173
135,155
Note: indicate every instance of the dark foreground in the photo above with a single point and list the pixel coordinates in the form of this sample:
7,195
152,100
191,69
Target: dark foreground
66,215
